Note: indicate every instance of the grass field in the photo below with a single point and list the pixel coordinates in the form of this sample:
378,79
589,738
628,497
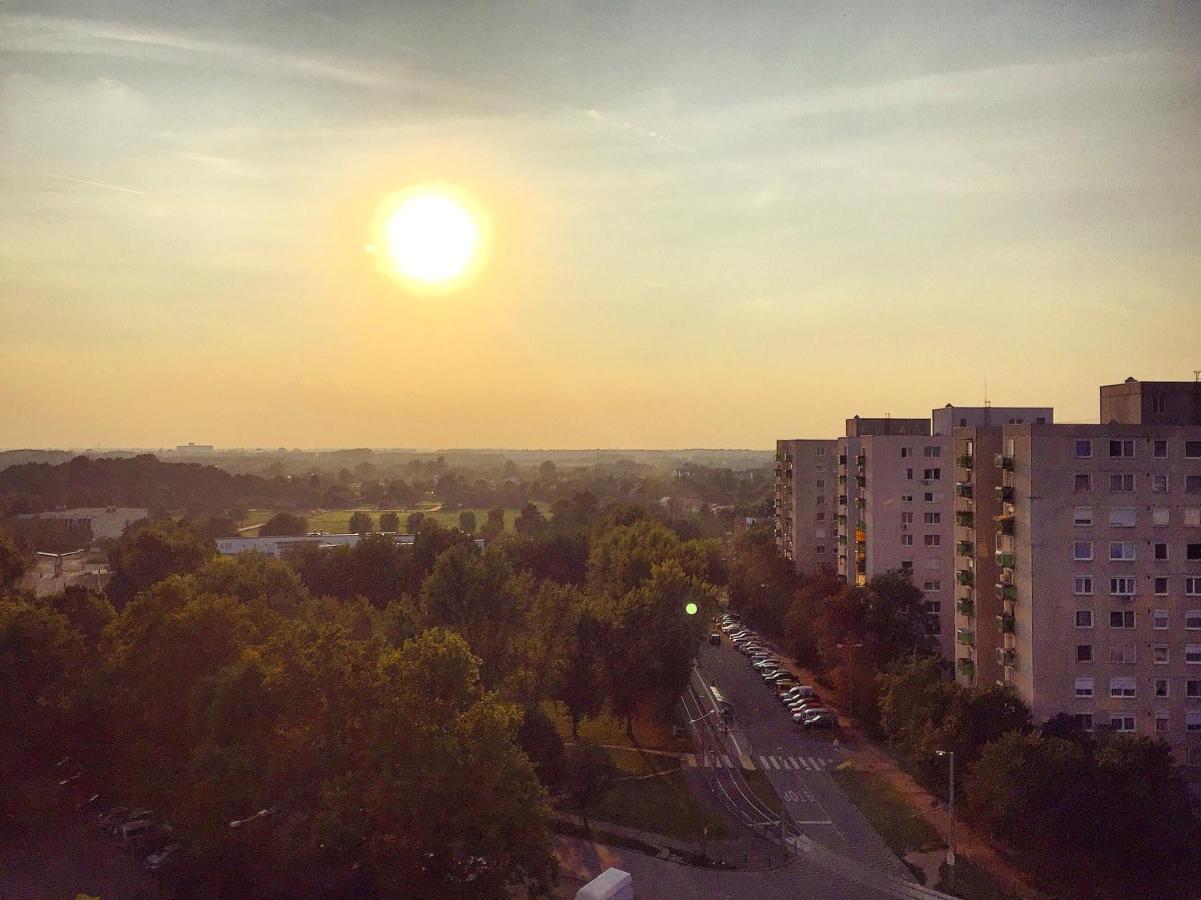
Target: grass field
337,521
888,812
663,805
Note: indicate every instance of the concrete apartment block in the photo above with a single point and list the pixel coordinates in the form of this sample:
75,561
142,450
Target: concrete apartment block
805,503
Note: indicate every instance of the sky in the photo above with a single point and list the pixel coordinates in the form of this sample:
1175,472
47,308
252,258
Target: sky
713,224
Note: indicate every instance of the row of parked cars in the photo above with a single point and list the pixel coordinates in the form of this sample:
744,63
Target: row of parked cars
800,700
133,830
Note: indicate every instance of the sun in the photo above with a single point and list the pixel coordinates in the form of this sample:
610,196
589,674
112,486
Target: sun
432,236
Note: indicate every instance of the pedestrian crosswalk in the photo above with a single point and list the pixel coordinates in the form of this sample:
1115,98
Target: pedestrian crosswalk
713,760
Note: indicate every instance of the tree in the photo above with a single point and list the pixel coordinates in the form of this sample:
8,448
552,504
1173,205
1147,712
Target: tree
467,522
251,577
360,523
589,771
495,524
14,562
413,522
150,552
622,557
284,524
540,741
546,470
581,683
389,521
530,521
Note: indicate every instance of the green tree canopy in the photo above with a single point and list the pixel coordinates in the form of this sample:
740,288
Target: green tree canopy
360,523
284,524
150,552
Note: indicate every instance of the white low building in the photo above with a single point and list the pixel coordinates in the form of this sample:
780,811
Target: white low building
279,545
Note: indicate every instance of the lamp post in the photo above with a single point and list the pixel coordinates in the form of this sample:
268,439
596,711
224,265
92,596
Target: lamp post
851,648
951,806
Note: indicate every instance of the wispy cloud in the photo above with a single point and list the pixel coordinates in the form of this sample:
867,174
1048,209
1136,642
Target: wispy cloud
84,181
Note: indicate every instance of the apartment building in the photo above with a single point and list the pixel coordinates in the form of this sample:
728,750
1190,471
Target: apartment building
899,515
1090,603
806,532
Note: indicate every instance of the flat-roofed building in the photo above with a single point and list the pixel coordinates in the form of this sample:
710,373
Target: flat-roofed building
805,503
96,522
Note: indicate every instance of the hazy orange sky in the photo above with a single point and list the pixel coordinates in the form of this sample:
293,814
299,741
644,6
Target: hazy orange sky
714,224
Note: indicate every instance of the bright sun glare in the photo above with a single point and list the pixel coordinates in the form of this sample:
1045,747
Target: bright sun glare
432,235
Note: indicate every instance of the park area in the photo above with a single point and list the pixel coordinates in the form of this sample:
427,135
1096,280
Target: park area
337,521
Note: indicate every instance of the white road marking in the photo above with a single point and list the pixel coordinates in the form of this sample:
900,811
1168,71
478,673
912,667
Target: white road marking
728,762
804,765
774,764
762,763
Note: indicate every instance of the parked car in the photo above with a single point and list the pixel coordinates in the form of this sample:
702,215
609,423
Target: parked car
784,685
130,834
802,692
138,815
112,818
715,639
802,706
155,861
819,718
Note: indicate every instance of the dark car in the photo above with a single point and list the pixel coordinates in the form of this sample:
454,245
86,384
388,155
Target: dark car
715,639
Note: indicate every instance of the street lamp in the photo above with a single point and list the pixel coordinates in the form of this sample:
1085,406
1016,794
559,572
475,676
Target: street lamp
238,823
951,797
851,648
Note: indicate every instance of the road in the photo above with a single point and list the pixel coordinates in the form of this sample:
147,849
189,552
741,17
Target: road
762,731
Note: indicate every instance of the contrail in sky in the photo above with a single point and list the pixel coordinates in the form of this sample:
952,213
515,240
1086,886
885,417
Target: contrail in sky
99,184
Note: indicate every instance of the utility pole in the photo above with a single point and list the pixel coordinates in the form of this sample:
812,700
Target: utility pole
951,807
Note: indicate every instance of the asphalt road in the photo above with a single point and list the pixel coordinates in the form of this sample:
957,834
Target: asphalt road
762,730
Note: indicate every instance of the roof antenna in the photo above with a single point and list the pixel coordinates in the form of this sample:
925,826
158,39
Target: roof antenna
1196,374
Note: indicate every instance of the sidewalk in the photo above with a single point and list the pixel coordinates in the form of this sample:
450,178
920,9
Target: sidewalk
866,756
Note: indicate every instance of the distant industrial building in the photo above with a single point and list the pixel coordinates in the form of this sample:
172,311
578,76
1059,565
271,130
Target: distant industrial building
194,448
282,545
96,523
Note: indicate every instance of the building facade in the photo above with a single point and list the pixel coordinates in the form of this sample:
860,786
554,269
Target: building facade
806,532
1091,605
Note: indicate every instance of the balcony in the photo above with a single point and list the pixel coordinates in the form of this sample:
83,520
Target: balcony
1005,623
842,539
1005,493
963,461
965,548
1008,591
861,481
842,519
861,459
966,667
1005,525
965,636
1007,658
1001,461
963,489
842,459
965,607
1006,560
842,499
860,503
965,578
842,479
965,519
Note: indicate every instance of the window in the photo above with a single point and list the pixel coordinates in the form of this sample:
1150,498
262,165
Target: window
1121,551
1159,654
1121,449
1192,587
1192,619
1084,482
1121,687
1121,483
1084,653
906,518
1159,619
1083,515
1192,654
1159,404
906,498
1121,586
1192,688
1084,449
1192,552
1192,484
906,540
1082,550
1123,655
1121,618
932,451
1084,618
1161,687
929,497
821,548
932,518
1122,517
909,474
1160,552
1192,449
906,565
821,451
933,607
1161,722
1160,450
906,452
820,483
1084,584
821,501
1084,687
1160,516
1159,484
1192,516
1119,722
932,586
1192,720
820,516
1161,587
932,474
932,540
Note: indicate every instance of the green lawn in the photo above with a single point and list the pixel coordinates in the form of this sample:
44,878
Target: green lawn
337,521
887,812
609,731
971,883
663,805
